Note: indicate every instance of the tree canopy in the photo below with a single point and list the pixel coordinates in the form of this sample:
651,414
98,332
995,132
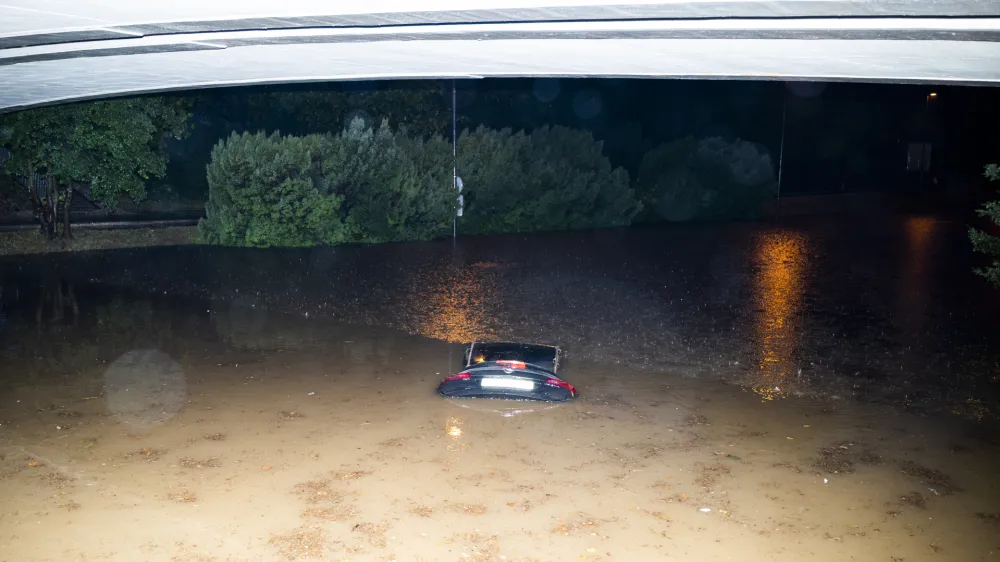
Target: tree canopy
984,242
377,184
705,179
112,146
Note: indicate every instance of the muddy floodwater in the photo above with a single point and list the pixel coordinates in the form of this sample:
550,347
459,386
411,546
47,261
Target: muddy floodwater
817,391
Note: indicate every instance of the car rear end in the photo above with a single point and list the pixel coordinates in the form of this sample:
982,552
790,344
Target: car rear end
509,380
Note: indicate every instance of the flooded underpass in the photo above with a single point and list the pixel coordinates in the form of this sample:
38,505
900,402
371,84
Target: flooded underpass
747,393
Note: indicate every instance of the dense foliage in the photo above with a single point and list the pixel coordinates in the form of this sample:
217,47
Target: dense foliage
361,185
707,179
987,243
380,185
269,191
551,179
113,147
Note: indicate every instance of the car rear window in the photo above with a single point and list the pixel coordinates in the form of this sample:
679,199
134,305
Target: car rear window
541,355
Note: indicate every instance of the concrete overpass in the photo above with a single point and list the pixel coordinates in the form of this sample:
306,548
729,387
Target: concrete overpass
54,51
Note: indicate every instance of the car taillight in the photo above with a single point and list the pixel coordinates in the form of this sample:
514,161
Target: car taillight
461,376
512,364
561,384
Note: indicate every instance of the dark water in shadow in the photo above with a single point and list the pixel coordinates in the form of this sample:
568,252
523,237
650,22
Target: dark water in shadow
884,309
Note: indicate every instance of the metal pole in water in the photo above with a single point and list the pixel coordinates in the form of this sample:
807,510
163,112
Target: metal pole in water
781,151
454,155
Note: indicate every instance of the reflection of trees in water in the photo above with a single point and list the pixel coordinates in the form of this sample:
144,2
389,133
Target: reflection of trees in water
241,322
247,323
73,330
57,298
144,387
127,323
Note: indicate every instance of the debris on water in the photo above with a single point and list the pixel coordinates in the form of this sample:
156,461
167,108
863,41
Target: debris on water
303,543
482,547
469,508
311,394
838,459
188,462
422,511
658,515
696,419
585,522
54,479
942,482
988,517
183,497
914,499
338,512
705,510
710,474
870,458
148,454
375,533
350,475
315,491
787,465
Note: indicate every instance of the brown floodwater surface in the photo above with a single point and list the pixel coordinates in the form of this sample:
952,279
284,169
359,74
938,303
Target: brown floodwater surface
160,430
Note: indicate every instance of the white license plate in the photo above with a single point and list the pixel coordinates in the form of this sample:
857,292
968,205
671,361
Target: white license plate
513,384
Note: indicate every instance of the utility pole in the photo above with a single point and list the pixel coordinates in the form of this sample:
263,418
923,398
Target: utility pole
454,154
781,151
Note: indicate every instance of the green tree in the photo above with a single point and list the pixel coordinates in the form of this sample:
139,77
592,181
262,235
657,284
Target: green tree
984,242
554,178
397,187
271,191
381,185
361,185
113,147
706,179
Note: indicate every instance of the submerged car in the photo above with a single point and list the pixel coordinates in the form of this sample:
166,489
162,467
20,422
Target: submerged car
511,371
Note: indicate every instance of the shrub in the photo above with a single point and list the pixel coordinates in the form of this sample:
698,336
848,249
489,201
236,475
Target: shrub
361,185
708,179
269,191
551,179
984,242
397,187
377,185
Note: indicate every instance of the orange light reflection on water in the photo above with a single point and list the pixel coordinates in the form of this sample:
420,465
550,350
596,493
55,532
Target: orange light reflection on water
778,286
458,306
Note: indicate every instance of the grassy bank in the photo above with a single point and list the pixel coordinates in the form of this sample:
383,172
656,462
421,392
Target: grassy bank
31,242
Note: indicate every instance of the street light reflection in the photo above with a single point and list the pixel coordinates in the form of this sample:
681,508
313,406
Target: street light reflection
453,427
457,308
781,257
